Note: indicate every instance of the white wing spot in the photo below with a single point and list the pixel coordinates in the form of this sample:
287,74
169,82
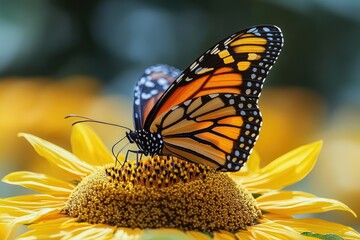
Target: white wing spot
162,81
146,96
154,92
149,84
237,153
187,102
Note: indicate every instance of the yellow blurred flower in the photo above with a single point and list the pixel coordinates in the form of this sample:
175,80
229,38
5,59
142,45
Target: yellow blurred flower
337,174
83,202
288,112
40,105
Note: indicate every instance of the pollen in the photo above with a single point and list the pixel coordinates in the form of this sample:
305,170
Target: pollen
163,193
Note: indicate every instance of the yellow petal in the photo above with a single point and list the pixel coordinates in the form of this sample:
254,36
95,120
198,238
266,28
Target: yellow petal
296,202
39,182
66,228
27,218
62,220
252,165
88,147
224,235
245,235
14,207
284,171
57,215
93,232
63,160
268,230
5,231
127,234
276,216
164,234
197,235
31,202
320,226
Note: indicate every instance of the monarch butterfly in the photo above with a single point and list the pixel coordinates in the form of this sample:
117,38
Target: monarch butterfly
208,114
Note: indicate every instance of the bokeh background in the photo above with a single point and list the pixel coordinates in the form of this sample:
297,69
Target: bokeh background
60,57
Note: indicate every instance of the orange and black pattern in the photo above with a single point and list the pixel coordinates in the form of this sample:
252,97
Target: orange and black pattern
218,130
239,64
209,113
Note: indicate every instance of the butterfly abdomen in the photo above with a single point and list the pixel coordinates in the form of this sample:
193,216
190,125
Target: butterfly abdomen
149,143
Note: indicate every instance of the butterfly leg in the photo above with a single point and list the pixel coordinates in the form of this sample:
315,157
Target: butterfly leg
117,161
126,157
117,154
139,160
137,156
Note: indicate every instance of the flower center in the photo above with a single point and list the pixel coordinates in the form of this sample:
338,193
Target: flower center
162,192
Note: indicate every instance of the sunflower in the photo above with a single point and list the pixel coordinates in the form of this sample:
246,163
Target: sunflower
164,198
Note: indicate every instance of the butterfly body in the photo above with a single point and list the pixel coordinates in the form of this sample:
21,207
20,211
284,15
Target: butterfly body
149,143
207,114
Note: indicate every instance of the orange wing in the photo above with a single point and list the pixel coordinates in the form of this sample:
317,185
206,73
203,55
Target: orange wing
238,65
218,130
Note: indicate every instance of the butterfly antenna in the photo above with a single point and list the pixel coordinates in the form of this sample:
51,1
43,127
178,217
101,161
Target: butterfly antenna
86,119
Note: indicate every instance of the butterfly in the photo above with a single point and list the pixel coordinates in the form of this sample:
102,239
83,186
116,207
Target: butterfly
207,114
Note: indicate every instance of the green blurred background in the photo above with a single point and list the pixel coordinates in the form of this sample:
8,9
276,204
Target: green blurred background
61,57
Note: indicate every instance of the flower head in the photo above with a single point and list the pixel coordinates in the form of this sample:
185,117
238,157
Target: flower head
163,197
163,192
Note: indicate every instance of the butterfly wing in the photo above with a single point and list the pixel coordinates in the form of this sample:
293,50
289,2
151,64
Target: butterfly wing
209,114
149,88
218,130
238,64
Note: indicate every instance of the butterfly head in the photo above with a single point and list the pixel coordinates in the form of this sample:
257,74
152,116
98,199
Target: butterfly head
131,136
149,143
